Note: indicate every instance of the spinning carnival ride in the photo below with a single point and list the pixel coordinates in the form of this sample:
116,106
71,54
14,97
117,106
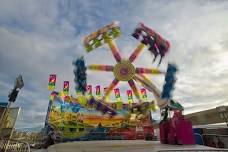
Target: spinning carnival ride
124,70
86,117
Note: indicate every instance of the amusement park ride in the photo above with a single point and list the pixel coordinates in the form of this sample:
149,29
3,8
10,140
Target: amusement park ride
89,117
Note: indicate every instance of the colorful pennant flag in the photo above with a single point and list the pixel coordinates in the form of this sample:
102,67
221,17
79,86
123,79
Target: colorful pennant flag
52,81
98,91
129,96
89,90
66,86
143,94
117,94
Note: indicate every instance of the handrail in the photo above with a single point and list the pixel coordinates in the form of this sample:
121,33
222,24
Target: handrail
200,137
215,135
218,136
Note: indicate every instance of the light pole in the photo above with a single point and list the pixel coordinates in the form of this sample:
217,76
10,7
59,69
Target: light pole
13,95
12,98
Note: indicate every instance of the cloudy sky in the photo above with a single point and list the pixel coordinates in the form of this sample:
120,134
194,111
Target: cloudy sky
40,37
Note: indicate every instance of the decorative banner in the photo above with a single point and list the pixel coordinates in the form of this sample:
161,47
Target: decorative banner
129,96
117,95
143,94
98,91
52,81
66,87
89,90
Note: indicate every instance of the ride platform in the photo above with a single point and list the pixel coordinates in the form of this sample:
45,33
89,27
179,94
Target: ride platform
125,146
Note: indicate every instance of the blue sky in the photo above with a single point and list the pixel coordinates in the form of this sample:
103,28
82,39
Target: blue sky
39,37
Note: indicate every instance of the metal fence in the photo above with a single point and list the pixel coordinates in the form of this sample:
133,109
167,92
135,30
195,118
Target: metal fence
215,140
115,135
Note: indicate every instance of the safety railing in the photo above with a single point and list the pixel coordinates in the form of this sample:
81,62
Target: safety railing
98,135
13,146
115,135
215,140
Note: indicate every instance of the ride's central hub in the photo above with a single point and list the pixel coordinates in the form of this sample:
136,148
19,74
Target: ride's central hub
124,70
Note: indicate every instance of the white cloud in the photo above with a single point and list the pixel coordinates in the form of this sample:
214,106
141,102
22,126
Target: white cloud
39,38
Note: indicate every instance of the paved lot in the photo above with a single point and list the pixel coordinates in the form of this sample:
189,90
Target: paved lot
118,146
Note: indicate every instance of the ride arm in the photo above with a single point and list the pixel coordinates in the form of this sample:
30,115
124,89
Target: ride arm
145,82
